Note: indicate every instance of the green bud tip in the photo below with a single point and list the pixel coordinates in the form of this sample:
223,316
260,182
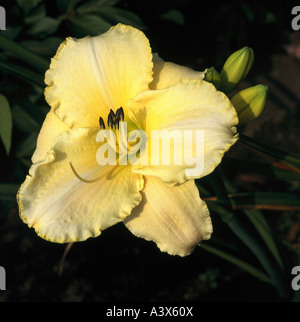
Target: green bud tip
236,68
212,76
250,103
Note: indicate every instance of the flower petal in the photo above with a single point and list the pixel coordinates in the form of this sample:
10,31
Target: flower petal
166,73
51,128
89,76
185,108
175,218
63,208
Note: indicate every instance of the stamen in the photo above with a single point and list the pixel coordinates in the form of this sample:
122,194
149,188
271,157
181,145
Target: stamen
113,115
110,122
117,123
113,119
121,114
101,122
82,179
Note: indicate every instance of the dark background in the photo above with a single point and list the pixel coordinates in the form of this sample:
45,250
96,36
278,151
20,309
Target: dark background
118,266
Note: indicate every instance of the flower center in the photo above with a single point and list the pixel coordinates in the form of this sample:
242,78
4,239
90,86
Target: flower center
120,144
113,119
113,123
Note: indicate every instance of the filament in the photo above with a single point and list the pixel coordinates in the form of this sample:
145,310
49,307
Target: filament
82,179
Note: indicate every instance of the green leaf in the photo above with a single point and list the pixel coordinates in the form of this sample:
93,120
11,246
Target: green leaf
264,169
34,111
92,25
36,14
95,5
8,191
22,73
266,200
107,2
111,14
248,12
28,5
263,255
66,6
296,297
241,230
89,7
23,121
46,47
255,216
116,15
262,226
45,26
23,54
26,161
270,17
27,147
278,157
12,32
174,16
238,262
5,123
218,185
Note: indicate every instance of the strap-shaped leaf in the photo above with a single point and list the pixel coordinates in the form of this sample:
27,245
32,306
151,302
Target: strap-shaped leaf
5,123
262,226
8,191
259,249
238,262
25,74
21,53
263,200
278,157
263,169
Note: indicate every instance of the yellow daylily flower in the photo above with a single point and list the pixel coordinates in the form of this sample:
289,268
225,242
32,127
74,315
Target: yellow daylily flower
69,197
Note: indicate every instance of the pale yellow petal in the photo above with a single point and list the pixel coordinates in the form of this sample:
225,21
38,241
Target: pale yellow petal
51,128
185,108
89,76
175,218
166,73
61,207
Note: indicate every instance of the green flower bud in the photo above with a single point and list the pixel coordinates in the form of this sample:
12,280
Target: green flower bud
235,69
250,102
212,76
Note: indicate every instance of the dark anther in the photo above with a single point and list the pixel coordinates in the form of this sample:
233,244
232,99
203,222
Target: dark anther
113,115
110,121
113,119
117,123
101,122
121,114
